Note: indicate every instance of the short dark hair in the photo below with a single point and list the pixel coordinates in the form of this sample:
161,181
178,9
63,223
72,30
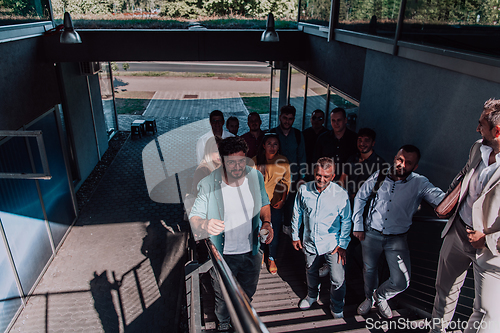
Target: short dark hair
368,132
232,118
253,114
317,111
288,109
216,113
337,110
491,110
232,145
411,149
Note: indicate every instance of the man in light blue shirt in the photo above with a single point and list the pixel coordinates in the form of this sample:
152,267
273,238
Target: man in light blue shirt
325,210
387,223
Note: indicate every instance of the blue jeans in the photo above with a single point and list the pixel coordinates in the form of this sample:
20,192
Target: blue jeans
397,255
276,217
246,269
337,278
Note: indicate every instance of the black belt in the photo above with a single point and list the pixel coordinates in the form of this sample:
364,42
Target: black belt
380,232
466,226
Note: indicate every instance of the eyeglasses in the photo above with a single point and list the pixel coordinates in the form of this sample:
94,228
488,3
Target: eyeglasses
217,121
232,163
317,118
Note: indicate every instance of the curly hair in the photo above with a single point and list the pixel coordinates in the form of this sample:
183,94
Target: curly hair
232,145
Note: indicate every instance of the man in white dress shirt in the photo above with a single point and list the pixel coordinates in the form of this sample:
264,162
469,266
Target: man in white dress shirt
472,234
217,124
387,224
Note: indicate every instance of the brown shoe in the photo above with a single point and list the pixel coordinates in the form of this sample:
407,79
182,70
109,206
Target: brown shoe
271,266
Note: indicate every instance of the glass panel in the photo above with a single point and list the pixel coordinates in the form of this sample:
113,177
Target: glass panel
213,14
374,17
316,99
23,11
336,100
108,104
297,92
22,216
56,191
467,25
275,91
315,12
10,299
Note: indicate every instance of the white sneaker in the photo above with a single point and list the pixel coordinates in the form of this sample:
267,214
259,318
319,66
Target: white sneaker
287,230
324,270
383,306
307,302
365,307
337,315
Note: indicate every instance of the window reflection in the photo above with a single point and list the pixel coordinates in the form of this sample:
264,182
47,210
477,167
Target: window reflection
297,93
374,17
23,11
466,25
337,99
108,103
316,99
315,11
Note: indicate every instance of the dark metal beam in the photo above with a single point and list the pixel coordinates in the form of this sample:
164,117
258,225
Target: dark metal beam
177,45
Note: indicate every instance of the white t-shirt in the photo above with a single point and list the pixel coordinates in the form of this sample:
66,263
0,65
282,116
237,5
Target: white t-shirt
238,213
202,141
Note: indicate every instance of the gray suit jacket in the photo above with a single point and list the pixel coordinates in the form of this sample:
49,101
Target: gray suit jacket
486,209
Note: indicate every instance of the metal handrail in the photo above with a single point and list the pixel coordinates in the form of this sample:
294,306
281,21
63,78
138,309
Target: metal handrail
243,315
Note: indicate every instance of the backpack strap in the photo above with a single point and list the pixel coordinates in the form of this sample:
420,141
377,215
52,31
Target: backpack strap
380,179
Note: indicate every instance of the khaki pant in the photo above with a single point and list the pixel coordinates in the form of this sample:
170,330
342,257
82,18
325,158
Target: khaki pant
455,258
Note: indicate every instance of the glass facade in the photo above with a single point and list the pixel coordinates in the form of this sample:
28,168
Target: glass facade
465,25
34,214
315,12
374,17
108,102
24,11
297,94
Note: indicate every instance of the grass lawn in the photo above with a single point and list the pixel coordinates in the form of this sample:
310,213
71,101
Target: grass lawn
132,102
256,102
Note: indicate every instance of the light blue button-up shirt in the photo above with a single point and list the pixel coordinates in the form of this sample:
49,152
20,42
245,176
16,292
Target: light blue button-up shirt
326,216
395,203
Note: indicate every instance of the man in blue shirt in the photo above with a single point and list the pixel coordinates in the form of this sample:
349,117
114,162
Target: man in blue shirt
387,224
325,210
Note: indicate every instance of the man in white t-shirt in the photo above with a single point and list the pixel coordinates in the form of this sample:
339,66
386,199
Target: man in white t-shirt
231,203
217,124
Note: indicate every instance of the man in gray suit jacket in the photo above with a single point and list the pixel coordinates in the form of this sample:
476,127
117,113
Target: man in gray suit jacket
472,235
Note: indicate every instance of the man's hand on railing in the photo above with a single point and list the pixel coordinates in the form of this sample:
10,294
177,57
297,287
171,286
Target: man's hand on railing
213,226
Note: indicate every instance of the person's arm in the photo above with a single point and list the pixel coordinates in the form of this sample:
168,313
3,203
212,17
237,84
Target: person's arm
285,181
200,225
345,231
430,193
298,212
359,205
265,217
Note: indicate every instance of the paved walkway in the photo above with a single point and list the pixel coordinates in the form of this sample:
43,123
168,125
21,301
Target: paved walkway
121,268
